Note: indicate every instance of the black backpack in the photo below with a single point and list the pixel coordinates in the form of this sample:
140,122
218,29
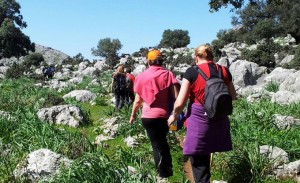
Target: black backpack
217,99
129,83
119,82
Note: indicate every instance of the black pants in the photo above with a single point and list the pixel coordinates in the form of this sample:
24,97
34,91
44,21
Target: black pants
129,97
120,98
201,168
157,130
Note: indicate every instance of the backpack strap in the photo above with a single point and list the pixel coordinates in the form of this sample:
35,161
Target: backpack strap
219,69
201,72
215,70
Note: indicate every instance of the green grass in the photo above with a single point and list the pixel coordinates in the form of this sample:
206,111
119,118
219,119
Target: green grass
272,87
252,125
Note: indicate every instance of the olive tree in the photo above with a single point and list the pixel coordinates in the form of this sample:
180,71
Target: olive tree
13,41
174,39
108,48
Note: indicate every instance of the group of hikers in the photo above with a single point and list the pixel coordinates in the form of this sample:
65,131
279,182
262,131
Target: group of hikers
156,86
122,87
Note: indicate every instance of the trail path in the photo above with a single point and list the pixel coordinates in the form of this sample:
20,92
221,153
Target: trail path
187,165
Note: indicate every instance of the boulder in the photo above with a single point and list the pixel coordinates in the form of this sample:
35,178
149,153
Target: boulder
81,95
278,75
291,83
63,114
285,97
285,122
275,154
40,165
246,73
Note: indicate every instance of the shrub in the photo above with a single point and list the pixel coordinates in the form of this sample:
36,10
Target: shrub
296,61
217,45
53,99
71,61
263,55
272,87
224,37
142,53
285,50
181,59
33,59
258,56
15,71
101,101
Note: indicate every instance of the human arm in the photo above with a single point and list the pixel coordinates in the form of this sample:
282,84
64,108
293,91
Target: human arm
232,91
180,101
175,90
136,105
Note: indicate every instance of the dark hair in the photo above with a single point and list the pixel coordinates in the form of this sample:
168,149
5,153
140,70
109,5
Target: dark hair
128,70
158,61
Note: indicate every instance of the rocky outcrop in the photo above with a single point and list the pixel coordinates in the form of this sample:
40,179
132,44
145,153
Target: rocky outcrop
285,97
131,142
41,165
278,75
81,95
110,127
51,56
275,154
63,114
291,83
285,122
281,166
246,73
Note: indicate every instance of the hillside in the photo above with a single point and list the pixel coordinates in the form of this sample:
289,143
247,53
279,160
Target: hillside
66,129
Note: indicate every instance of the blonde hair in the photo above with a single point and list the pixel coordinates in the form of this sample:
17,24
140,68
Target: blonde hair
120,69
204,52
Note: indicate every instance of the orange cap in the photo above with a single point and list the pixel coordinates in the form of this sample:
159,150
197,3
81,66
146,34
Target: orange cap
152,55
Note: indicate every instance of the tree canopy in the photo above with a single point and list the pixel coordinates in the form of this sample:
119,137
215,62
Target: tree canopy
108,48
268,19
174,39
215,5
12,41
260,21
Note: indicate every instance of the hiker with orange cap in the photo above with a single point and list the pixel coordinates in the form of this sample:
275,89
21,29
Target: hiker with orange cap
153,88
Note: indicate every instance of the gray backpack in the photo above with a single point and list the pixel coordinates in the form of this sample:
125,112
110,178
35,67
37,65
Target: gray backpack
217,99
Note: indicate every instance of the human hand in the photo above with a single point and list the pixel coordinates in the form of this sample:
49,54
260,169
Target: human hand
132,118
171,120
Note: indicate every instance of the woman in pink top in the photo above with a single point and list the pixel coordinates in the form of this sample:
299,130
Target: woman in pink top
153,89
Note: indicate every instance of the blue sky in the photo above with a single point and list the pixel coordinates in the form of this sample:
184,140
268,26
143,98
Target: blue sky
76,26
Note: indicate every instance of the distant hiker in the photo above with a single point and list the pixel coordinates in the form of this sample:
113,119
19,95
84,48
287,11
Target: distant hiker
153,88
129,93
119,87
204,135
49,72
